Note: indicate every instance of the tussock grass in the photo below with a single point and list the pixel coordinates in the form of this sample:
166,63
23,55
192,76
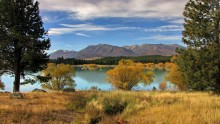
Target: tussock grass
112,107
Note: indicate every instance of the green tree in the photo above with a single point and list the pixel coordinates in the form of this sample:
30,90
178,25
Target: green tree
200,62
60,77
127,74
23,43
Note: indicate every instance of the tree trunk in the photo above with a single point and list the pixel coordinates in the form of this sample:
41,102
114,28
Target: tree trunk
17,80
17,70
17,75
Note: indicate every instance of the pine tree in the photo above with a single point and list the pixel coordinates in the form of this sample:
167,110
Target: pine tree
23,39
200,62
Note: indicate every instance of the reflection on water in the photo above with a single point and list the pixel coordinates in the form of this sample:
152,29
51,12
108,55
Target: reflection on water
85,79
88,78
93,76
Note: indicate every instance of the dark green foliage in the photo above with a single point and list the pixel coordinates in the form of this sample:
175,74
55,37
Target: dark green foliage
69,89
113,60
22,39
154,89
113,106
200,63
79,102
94,88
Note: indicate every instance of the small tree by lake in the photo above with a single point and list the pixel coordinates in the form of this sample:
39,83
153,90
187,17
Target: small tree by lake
60,76
163,86
127,74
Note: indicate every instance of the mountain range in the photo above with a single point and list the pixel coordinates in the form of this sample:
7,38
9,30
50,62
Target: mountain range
105,50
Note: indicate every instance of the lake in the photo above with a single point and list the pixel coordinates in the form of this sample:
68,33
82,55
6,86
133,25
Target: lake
85,79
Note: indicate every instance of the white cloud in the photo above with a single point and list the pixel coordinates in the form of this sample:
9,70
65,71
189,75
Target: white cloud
90,9
165,28
68,45
50,51
81,34
68,28
162,38
177,21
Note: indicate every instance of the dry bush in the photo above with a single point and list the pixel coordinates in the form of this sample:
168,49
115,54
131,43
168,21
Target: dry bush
163,86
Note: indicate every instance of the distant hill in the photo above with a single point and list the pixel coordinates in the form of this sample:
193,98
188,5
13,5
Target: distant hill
64,54
154,49
105,50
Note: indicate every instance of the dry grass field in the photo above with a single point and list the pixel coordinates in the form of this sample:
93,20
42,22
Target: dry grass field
111,107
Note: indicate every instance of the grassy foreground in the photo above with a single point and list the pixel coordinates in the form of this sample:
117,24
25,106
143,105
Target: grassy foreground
112,107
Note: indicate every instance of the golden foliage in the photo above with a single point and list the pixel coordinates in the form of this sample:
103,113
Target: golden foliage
128,74
175,77
173,59
150,66
163,86
160,66
139,64
90,66
168,65
61,76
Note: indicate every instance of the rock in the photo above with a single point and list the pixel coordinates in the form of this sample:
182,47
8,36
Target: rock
39,90
5,92
69,90
16,95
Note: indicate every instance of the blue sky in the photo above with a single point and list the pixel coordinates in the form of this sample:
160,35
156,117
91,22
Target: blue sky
75,24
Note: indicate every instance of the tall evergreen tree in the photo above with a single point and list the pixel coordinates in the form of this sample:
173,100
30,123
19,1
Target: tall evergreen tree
23,40
200,63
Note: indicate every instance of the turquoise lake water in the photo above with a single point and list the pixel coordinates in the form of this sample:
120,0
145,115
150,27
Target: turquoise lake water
85,79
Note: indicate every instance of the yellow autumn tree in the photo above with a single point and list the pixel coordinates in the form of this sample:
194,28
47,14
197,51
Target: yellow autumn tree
174,75
128,74
60,76
160,66
168,66
150,66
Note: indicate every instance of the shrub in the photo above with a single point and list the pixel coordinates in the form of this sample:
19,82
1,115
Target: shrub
93,114
114,105
163,86
154,89
94,88
78,104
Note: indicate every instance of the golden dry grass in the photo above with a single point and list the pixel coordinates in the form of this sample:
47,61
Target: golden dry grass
142,108
35,108
189,108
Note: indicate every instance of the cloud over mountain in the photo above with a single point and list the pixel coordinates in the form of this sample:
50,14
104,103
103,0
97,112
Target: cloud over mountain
90,9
